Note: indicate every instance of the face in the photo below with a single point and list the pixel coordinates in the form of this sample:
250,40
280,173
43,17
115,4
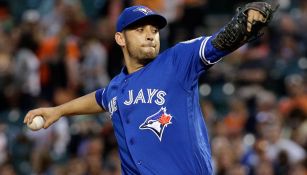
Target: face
142,42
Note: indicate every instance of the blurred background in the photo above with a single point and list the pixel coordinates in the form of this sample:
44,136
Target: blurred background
51,51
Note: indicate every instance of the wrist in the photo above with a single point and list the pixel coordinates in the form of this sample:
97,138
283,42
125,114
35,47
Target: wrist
59,111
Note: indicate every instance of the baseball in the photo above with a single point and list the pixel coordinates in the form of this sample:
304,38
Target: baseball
37,123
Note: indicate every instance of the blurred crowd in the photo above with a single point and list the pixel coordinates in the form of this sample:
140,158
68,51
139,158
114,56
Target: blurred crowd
52,51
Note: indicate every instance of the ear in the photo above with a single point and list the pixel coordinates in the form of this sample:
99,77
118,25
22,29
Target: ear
120,39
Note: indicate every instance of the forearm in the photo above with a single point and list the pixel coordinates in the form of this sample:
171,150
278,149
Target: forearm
83,105
212,54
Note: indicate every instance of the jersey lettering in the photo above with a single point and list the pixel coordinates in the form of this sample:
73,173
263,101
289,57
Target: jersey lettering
152,94
130,98
112,105
139,97
160,96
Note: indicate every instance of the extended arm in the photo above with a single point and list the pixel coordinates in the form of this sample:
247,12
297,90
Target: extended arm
83,105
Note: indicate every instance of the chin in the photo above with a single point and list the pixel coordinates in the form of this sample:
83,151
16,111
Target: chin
150,56
150,52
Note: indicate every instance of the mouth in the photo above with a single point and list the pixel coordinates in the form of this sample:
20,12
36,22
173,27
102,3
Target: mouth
149,45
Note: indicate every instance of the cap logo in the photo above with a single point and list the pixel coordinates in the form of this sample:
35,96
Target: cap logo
144,10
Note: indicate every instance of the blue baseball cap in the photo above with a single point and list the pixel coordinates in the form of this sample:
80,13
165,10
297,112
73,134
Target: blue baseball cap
134,14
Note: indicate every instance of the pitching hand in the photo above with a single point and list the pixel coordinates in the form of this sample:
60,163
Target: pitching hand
50,116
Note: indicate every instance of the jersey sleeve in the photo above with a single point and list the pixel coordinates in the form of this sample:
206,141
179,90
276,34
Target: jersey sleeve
101,98
191,58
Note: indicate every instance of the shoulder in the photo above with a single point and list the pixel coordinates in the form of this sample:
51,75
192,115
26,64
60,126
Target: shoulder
181,47
191,41
185,47
115,81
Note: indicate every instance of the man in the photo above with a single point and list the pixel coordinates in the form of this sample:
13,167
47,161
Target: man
153,102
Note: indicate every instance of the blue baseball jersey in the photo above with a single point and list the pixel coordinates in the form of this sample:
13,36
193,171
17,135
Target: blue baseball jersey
156,114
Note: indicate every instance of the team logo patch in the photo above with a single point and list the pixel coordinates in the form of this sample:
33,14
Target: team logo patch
157,122
144,10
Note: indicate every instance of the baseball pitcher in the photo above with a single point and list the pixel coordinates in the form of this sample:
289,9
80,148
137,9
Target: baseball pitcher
154,101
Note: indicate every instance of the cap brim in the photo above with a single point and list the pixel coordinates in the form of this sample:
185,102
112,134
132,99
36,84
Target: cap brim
154,19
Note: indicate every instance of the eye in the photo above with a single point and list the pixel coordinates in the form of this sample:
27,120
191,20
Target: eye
155,30
139,29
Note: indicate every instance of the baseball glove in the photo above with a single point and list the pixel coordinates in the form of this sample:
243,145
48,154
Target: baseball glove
235,34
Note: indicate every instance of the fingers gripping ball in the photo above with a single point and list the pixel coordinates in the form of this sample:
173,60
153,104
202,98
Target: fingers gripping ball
37,123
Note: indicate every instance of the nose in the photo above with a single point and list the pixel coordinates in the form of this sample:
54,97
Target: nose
149,36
